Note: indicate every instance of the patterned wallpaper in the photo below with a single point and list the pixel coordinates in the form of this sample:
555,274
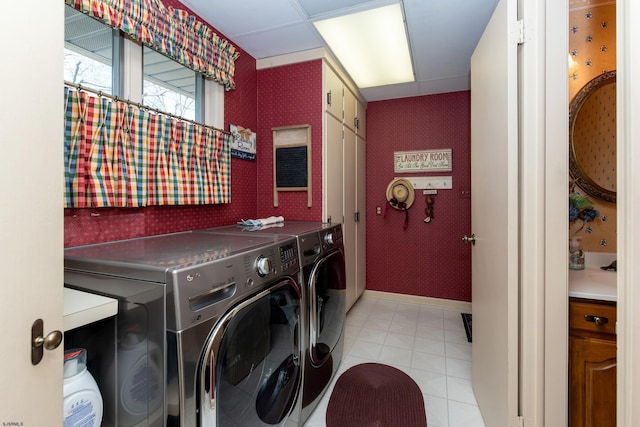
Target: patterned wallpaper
289,95
84,226
425,259
592,45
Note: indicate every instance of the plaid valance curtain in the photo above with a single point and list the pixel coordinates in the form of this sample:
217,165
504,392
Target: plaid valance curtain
120,155
171,31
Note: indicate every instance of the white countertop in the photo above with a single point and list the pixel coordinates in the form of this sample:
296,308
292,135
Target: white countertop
592,282
82,308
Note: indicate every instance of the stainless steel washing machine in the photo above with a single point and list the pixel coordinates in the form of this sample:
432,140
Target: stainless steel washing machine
230,351
321,252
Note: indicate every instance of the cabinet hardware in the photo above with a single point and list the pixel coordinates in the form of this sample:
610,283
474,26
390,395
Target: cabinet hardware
469,239
329,98
40,343
356,217
598,320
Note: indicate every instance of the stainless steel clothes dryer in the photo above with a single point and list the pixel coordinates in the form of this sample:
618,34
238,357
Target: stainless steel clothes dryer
231,341
321,252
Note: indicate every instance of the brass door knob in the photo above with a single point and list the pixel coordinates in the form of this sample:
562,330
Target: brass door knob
39,342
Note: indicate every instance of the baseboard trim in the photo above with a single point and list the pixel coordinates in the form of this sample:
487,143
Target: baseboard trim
414,299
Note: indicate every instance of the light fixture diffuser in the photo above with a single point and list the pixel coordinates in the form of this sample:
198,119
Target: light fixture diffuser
371,45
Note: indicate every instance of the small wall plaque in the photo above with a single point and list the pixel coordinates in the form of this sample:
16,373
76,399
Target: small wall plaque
243,144
422,161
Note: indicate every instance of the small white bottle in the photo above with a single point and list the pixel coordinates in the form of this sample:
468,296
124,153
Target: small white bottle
82,404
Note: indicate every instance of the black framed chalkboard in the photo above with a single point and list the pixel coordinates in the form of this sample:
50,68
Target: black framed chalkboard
291,167
292,160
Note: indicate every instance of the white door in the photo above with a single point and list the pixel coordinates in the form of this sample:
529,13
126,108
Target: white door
494,212
349,209
332,173
361,225
31,222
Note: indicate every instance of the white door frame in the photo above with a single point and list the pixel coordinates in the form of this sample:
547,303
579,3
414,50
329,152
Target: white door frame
628,110
544,181
545,174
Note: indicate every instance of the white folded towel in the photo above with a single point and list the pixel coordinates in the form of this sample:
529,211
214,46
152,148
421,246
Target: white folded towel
262,222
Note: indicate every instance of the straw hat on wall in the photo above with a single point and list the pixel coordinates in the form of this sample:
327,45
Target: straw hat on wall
400,194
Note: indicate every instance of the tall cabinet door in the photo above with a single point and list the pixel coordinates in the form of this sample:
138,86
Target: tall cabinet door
361,224
333,177
349,224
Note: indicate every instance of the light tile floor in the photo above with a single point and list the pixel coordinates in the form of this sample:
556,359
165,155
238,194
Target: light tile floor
426,342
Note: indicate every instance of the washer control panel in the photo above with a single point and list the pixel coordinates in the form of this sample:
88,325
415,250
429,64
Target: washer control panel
263,265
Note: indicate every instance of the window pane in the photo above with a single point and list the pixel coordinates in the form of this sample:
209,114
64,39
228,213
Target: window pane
88,51
168,85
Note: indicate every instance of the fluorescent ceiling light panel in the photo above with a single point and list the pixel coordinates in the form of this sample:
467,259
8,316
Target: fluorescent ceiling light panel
371,45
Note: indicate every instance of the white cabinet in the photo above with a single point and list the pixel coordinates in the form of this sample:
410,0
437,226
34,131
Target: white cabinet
344,176
332,93
361,120
332,170
349,109
361,223
349,206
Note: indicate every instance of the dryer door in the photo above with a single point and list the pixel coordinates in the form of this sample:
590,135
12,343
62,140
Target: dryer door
327,297
250,372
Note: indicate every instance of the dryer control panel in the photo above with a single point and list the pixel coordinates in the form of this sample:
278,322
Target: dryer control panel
206,291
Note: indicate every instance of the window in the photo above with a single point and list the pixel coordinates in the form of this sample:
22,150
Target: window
98,57
88,51
168,86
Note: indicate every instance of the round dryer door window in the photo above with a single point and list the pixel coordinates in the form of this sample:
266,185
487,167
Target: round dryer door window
251,372
327,297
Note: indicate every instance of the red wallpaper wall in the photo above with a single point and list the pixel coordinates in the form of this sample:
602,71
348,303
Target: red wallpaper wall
425,259
289,95
84,226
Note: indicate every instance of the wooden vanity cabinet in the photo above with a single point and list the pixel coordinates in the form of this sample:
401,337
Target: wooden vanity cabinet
592,363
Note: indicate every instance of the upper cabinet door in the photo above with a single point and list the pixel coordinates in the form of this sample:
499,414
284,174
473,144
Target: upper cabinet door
361,120
349,109
332,93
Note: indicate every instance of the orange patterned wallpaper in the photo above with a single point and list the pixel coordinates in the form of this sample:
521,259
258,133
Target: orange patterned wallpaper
592,45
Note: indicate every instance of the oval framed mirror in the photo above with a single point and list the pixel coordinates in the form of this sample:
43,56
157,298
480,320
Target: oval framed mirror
592,137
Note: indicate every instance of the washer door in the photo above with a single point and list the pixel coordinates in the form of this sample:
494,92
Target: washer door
327,297
250,372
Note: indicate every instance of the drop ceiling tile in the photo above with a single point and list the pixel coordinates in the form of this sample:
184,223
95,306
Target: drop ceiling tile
315,7
449,84
234,18
402,90
444,34
279,41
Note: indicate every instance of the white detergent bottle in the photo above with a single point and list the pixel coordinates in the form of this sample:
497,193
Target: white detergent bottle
82,404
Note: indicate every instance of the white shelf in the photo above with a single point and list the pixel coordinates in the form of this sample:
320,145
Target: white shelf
82,308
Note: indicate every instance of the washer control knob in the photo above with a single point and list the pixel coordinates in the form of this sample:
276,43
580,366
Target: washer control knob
263,266
328,238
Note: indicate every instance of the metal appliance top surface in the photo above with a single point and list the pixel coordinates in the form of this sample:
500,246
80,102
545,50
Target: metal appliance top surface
287,228
203,273
164,252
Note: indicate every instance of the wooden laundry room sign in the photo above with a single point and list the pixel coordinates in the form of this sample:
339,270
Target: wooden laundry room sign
422,161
